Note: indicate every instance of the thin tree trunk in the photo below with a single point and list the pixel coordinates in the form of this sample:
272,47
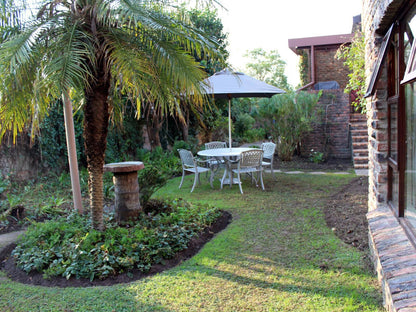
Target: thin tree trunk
72,153
95,133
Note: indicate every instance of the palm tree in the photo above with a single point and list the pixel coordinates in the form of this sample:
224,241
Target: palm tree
102,50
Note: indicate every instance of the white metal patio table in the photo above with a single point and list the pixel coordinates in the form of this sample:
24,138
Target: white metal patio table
221,153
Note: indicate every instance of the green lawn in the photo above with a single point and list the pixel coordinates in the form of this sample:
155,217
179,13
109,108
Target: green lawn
276,255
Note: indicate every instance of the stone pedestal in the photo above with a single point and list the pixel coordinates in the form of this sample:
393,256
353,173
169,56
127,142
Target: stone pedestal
126,188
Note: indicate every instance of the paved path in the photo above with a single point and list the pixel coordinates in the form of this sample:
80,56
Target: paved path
360,172
8,238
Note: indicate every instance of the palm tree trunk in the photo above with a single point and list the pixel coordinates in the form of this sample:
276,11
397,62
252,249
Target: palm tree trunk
95,132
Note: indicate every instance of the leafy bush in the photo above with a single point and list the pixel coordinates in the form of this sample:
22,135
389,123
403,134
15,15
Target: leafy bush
287,117
243,123
150,180
166,162
183,145
69,247
316,157
255,134
159,166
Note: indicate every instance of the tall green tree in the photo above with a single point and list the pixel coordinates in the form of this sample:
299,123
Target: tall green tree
207,20
105,50
205,121
268,66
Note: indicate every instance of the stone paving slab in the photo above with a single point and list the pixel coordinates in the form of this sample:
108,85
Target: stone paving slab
361,172
9,238
394,257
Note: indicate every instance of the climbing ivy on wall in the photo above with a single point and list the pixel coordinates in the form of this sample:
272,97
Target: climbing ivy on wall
303,67
52,140
354,58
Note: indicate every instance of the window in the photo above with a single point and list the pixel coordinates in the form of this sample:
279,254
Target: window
398,57
410,175
382,56
409,81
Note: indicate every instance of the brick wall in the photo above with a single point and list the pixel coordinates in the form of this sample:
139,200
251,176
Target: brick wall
331,133
328,67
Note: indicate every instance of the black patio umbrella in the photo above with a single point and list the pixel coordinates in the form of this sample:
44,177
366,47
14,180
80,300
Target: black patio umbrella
227,84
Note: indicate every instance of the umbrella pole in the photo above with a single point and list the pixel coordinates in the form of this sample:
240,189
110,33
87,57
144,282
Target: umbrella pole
229,123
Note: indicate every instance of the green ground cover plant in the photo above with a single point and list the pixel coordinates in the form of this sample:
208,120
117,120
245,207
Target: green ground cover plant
68,246
276,255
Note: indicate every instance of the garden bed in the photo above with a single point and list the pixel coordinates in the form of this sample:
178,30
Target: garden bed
194,246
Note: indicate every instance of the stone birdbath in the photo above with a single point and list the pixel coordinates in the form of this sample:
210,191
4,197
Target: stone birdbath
126,188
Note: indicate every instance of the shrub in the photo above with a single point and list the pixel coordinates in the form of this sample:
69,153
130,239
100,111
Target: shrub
69,247
316,157
183,145
243,123
150,180
255,134
159,166
287,117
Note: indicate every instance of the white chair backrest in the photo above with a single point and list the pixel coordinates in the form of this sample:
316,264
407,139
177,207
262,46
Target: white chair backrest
252,158
268,149
186,157
215,144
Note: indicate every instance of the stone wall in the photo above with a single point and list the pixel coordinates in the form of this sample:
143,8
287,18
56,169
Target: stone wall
20,160
392,251
330,134
373,12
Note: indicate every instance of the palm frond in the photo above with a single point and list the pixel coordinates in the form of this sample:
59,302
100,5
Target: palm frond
25,94
73,50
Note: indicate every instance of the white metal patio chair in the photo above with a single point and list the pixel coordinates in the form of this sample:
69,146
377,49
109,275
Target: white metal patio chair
268,155
250,162
215,163
190,164
215,144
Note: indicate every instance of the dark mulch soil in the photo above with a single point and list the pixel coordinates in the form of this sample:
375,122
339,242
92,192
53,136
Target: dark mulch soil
345,215
301,163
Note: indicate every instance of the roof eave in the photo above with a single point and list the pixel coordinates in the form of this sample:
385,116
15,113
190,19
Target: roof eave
303,43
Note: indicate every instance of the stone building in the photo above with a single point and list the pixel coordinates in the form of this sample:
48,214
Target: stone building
390,27
340,132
